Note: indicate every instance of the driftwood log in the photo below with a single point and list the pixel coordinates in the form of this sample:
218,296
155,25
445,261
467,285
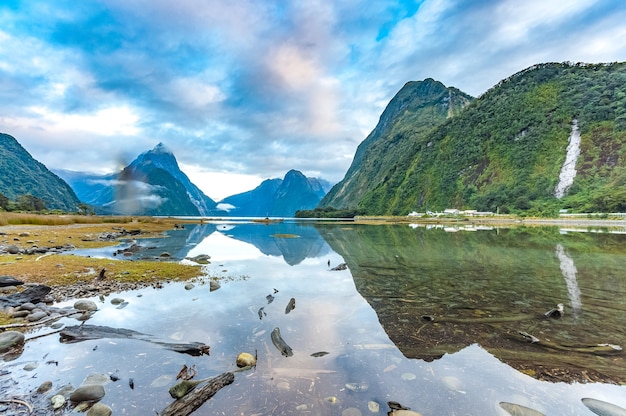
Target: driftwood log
192,401
79,333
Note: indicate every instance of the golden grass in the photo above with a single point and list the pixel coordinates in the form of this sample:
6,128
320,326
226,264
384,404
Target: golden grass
60,270
5,318
27,230
81,235
18,218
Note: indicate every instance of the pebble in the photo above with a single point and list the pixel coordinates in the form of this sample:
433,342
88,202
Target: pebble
44,387
452,383
87,393
200,258
100,409
96,378
37,316
332,399
116,301
373,406
10,339
245,359
26,306
162,381
85,305
408,376
189,286
30,366
357,386
351,411
13,249
19,314
57,401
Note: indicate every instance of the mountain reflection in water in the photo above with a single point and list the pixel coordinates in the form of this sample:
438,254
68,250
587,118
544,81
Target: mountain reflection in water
396,274
486,287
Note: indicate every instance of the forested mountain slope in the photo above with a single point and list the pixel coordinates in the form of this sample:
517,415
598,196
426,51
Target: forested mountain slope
414,111
21,175
506,150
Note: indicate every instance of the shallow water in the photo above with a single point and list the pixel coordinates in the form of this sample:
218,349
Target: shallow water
396,273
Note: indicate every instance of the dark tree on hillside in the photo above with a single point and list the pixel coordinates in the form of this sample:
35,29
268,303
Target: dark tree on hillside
30,203
4,202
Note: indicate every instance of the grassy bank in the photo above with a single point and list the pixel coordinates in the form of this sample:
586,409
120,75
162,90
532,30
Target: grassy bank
28,230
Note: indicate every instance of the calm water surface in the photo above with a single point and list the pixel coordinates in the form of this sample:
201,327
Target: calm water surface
396,274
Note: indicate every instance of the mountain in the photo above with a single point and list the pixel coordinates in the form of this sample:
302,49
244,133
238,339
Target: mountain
277,197
415,110
162,158
549,137
152,184
20,174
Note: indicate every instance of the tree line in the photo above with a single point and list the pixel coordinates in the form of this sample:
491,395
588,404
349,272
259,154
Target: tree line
24,202
31,203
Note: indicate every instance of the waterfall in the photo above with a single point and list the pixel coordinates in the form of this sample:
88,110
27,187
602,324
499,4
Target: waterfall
568,170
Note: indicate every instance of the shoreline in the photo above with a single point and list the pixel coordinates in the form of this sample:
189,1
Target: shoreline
505,221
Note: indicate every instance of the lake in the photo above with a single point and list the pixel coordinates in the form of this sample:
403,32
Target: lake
435,318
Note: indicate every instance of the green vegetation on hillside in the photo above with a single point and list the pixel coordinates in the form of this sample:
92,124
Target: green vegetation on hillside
25,179
389,150
505,150
329,212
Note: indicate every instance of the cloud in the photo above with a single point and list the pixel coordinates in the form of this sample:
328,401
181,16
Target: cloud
256,88
106,122
225,207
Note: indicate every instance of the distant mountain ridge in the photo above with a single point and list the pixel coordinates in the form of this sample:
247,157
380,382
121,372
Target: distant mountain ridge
21,174
506,151
152,184
277,197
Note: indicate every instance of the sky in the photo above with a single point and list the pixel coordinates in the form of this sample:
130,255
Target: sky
245,90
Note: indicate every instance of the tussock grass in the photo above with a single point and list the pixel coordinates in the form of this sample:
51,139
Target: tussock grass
17,218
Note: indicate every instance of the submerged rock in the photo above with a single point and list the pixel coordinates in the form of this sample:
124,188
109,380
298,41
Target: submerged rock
87,393
357,386
519,410
57,401
10,340
100,409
